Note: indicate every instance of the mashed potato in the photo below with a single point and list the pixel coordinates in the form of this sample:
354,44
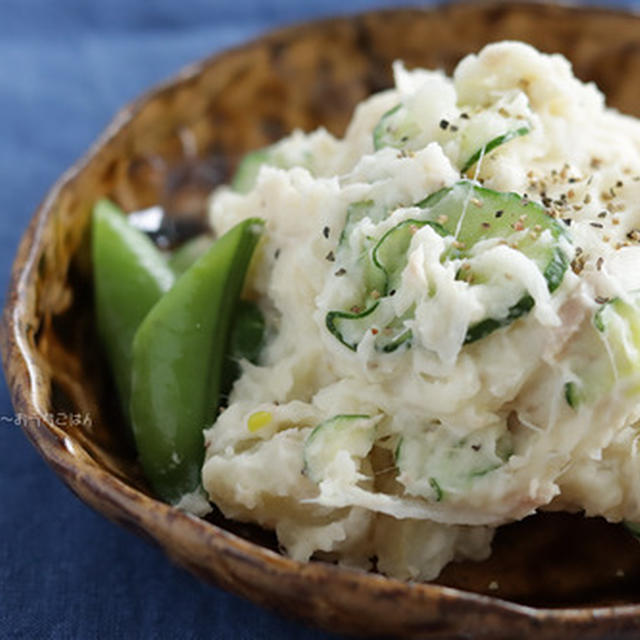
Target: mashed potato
452,309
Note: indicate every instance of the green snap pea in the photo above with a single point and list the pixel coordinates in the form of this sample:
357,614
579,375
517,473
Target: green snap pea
245,342
179,353
247,331
184,256
130,276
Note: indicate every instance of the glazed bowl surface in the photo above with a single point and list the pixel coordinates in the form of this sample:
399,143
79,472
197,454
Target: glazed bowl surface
557,575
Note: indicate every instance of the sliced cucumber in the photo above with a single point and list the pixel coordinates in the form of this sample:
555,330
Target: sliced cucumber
606,354
246,340
350,433
573,394
395,128
383,270
390,253
618,321
471,214
436,463
489,325
477,136
350,327
356,212
476,213
486,148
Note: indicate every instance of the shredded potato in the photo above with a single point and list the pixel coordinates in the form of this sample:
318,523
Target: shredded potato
464,434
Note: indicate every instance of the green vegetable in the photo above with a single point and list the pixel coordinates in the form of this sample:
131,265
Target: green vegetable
353,433
184,256
471,214
130,276
276,155
245,342
437,489
349,328
492,144
395,129
388,260
572,394
436,462
356,212
178,357
400,128
248,169
606,353
390,253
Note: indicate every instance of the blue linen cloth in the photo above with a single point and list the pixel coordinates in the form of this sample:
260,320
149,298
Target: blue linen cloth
65,67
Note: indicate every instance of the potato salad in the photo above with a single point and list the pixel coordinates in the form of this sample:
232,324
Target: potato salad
451,295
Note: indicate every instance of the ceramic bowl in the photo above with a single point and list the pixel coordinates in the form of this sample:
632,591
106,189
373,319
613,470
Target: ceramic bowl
556,575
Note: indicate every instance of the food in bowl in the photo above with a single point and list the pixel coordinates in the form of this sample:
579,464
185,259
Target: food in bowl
450,297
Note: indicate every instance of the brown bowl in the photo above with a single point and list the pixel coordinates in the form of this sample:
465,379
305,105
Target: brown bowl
552,575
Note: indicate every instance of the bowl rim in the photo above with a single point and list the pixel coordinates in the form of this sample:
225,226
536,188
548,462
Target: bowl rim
166,524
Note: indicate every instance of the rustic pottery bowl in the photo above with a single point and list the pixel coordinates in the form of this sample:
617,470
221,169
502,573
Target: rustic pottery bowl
556,575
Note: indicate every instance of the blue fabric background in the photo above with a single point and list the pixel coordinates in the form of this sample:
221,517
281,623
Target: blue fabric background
65,67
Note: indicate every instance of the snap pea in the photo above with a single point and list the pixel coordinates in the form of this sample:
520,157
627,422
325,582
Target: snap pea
245,342
184,256
130,275
247,331
178,356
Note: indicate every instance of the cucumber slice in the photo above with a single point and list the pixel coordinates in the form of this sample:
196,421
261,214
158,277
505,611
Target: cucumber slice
573,394
246,339
618,322
489,325
606,354
487,147
395,129
476,213
350,433
356,212
382,275
390,253
389,330
471,213
478,136
437,463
